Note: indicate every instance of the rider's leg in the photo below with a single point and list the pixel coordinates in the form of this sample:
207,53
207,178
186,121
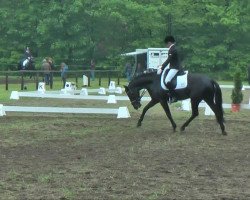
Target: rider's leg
170,76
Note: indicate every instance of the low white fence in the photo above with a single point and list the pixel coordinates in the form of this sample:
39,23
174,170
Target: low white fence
121,112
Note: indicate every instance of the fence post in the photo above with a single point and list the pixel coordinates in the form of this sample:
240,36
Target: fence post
109,78
76,78
118,78
37,77
6,82
22,81
89,79
100,78
51,80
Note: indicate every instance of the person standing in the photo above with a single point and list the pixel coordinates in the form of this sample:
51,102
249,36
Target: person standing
64,71
52,68
128,71
174,66
46,70
92,69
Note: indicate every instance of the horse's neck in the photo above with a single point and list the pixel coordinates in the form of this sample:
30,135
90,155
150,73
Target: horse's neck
142,82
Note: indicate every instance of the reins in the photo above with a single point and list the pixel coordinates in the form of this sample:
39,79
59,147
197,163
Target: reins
142,94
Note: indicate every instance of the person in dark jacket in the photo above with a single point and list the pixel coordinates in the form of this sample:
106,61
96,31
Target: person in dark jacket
64,72
174,65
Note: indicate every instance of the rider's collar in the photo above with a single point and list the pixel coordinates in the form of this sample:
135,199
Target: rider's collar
171,45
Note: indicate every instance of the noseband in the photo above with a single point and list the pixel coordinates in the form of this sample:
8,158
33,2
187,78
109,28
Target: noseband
138,99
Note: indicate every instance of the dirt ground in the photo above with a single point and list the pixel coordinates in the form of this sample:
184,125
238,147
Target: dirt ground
100,157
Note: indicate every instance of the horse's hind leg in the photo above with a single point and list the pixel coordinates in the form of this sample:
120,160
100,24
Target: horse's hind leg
218,114
145,109
195,112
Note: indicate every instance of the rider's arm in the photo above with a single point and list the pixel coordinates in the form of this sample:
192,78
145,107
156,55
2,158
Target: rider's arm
171,52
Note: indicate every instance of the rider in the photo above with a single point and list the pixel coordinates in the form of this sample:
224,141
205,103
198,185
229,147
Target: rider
174,66
27,57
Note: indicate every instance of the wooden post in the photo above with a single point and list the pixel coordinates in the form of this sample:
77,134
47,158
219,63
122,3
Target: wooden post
109,79
100,78
118,78
51,80
6,82
76,78
22,81
89,80
37,77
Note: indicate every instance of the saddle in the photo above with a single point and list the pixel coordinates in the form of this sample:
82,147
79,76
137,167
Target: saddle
178,82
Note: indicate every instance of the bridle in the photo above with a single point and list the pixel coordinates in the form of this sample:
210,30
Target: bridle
129,93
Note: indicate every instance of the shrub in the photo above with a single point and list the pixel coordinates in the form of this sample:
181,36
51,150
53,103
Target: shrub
237,95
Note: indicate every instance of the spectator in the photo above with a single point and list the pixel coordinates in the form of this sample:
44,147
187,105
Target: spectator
139,69
52,68
92,69
64,71
51,62
46,69
128,71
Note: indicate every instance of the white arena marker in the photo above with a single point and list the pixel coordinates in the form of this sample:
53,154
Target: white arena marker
118,90
41,87
185,105
14,95
69,86
208,110
102,90
84,80
123,113
2,111
112,99
84,92
112,85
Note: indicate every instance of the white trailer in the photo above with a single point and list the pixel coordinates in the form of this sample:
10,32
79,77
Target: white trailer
149,58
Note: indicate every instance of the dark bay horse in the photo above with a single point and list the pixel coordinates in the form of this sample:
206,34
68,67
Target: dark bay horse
199,88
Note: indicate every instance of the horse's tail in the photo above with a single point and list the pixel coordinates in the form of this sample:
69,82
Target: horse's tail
218,100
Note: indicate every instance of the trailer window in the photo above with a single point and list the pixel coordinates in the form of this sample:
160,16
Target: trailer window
155,55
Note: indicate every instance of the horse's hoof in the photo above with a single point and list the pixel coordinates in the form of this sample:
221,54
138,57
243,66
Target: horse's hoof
224,133
138,125
182,129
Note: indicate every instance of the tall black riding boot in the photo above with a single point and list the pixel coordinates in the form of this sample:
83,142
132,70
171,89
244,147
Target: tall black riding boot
172,94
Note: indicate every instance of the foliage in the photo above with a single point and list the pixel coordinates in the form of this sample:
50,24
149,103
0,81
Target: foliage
237,95
213,35
248,72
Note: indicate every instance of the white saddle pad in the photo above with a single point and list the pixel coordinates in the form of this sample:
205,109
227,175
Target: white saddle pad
181,81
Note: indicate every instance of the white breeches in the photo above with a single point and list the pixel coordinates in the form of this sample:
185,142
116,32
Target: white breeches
170,75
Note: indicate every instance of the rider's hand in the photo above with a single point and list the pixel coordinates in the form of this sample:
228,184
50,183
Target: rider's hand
159,70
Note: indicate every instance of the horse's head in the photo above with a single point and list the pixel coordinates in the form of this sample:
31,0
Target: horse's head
134,96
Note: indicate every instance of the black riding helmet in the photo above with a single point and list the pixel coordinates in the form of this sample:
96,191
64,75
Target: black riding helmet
169,38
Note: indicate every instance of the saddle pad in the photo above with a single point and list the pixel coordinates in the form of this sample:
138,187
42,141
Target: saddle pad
181,80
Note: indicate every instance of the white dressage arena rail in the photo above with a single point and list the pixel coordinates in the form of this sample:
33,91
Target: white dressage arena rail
16,95
244,87
121,112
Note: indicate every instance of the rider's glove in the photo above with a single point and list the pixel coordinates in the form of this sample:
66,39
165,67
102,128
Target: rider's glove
159,70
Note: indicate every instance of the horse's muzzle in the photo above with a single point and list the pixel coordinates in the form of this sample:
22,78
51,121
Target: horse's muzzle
136,105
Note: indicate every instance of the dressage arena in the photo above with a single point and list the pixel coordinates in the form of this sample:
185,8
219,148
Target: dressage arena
81,156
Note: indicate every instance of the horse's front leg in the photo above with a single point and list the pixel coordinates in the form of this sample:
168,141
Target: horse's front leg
145,109
165,106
